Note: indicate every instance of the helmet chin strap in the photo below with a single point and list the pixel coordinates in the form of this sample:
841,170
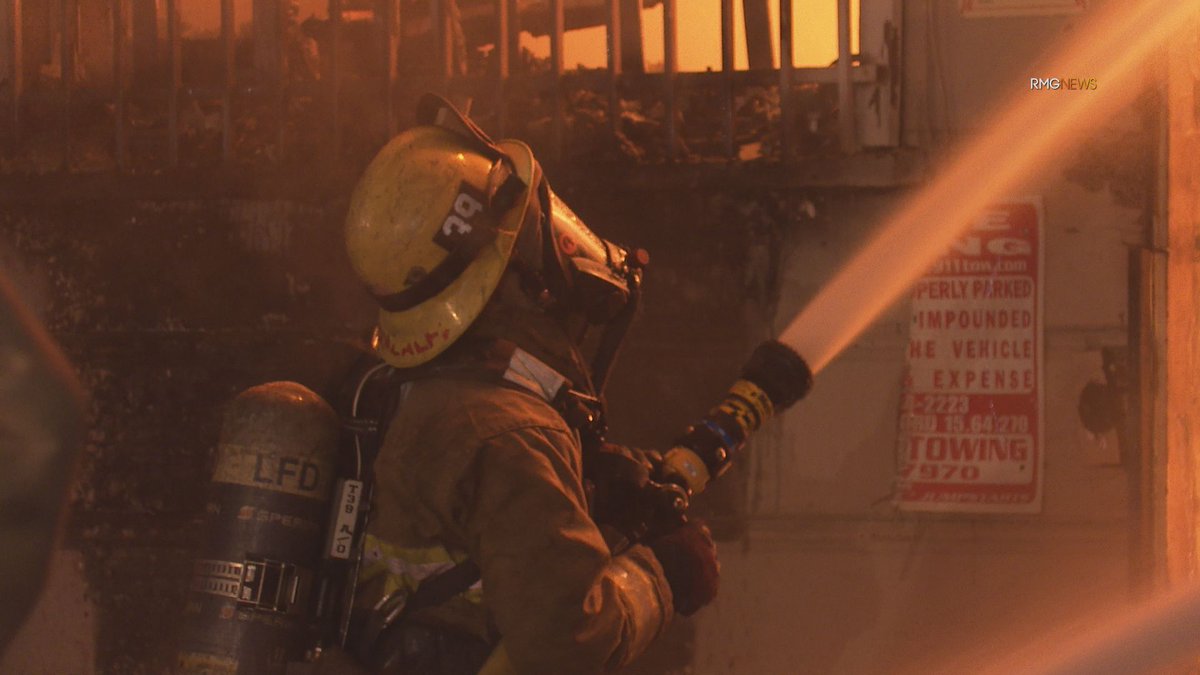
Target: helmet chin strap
615,331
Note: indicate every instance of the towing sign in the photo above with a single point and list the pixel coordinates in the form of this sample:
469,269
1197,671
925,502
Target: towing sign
970,436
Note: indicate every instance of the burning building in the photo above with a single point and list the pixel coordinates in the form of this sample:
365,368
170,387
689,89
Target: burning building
997,296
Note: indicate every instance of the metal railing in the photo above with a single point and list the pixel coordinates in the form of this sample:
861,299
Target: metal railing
329,96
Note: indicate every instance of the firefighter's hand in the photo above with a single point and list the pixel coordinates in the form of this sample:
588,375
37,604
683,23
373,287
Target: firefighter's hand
617,476
689,560
626,499
623,464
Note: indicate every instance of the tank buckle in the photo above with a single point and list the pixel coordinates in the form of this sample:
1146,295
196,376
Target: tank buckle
269,585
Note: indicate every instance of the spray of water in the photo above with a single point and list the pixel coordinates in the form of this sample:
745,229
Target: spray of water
1110,47
1158,634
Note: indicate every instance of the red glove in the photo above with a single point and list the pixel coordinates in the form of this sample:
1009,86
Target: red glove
689,560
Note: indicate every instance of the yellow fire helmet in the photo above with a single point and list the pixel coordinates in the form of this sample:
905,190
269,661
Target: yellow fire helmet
431,227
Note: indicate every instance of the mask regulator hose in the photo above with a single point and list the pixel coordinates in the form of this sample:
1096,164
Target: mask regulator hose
773,379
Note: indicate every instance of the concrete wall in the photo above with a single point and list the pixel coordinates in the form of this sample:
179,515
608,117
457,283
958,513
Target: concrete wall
830,576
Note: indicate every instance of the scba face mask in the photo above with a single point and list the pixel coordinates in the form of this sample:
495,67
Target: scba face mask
582,276
596,278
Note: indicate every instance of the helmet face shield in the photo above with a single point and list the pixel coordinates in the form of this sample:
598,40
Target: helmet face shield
597,273
594,278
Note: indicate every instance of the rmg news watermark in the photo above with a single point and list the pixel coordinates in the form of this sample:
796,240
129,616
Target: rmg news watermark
1062,83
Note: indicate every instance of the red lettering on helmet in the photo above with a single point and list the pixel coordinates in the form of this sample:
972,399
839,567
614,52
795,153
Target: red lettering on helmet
418,346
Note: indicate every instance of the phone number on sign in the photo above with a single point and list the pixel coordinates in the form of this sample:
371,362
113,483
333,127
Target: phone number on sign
972,424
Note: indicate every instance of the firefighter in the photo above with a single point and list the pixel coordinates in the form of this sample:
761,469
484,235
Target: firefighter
487,285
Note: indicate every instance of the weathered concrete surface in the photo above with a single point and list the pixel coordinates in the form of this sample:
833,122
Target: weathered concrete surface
63,612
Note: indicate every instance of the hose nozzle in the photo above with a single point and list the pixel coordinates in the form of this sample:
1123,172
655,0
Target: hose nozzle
773,379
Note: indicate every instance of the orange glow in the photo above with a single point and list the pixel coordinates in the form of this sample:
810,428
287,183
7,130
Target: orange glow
814,25
1001,161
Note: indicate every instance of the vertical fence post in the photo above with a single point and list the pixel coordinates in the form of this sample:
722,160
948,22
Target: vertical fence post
613,43
557,28
17,66
514,32
66,60
174,81
335,75
441,41
670,67
228,35
632,54
143,24
502,66
391,21
757,20
121,138
727,75
281,69
786,62
845,84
